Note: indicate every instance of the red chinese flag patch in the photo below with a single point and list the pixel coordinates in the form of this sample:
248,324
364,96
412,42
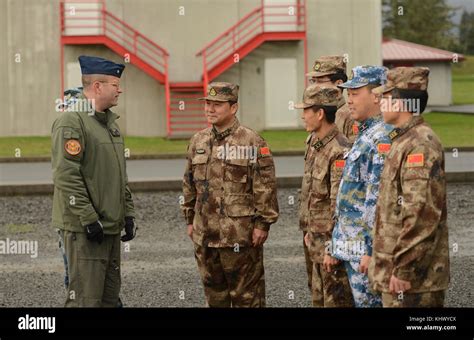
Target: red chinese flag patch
415,159
355,129
264,151
383,148
340,163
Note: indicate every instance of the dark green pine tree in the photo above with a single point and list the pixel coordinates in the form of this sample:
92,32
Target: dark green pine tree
426,22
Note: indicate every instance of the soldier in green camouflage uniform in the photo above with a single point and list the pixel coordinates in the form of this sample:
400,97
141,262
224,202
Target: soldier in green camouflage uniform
324,162
230,202
92,202
410,264
331,70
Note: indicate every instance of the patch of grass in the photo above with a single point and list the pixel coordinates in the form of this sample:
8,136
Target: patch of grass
463,82
465,67
285,140
463,89
25,146
453,129
19,228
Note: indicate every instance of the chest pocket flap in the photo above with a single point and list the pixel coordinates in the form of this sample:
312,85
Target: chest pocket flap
199,163
352,167
236,170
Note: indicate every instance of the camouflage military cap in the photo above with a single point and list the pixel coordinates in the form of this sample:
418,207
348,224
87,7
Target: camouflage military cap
222,92
405,78
317,94
365,75
327,65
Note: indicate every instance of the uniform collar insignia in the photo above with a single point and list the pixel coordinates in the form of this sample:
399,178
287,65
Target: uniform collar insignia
369,122
397,132
221,135
319,144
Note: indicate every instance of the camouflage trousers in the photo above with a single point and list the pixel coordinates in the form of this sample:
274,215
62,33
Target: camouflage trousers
328,289
93,270
232,278
363,296
331,289
308,262
414,300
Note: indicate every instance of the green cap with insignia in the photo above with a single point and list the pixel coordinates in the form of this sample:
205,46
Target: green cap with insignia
222,92
318,94
327,65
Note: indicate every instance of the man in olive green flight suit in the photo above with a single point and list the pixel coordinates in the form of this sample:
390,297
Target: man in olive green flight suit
92,201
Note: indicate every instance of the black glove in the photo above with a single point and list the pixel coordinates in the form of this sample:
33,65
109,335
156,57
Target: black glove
95,232
130,229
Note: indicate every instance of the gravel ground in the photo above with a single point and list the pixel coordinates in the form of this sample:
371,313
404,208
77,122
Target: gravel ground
160,271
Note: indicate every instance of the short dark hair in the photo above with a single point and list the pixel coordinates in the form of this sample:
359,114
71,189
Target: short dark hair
338,76
231,102
419,95
329,112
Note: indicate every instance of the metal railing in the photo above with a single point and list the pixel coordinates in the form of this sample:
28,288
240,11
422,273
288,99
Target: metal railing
78,20
290,17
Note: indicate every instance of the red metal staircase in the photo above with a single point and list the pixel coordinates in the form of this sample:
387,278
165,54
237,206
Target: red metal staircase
85,22
275,22
186,111
88,22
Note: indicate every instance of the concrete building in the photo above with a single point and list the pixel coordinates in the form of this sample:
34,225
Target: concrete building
271,44
403,53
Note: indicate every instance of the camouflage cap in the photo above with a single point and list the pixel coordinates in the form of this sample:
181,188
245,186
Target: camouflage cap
222,92
327,65
405,78
365,75
317,94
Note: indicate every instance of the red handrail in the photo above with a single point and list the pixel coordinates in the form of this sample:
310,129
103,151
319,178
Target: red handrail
228,31
117,30
262,19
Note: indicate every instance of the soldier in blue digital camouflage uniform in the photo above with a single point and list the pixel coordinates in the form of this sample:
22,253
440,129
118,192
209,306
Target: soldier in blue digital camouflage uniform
358,191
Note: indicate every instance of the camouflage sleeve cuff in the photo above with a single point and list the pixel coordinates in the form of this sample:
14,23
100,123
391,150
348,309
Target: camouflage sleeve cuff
403,274
190,217
259,224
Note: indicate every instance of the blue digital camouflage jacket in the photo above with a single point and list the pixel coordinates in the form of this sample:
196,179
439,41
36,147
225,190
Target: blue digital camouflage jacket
358,191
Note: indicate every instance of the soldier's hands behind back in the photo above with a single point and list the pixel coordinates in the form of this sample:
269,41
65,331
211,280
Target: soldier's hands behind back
130,230
95,232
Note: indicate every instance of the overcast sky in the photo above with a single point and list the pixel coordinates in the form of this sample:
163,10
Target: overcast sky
463,4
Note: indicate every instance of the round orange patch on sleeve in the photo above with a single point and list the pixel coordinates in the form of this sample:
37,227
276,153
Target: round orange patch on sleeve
73,147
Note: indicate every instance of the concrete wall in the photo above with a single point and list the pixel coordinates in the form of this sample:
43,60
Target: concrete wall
29,31
31,27
141,106
345,27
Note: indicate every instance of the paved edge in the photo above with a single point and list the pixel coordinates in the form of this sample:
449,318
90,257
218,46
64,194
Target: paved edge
176,184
